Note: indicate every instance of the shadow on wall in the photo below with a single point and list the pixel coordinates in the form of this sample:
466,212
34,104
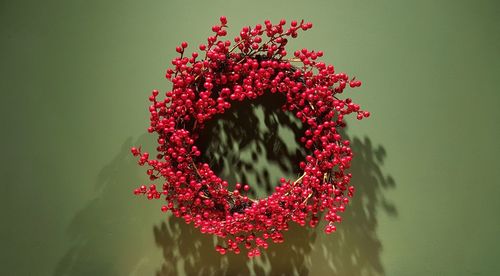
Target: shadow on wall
110,236
240,149
104,234
355,248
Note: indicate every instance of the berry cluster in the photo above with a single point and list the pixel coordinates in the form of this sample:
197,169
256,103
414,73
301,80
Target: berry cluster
205,86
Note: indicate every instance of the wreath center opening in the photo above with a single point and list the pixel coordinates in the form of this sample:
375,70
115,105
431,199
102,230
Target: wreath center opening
254,143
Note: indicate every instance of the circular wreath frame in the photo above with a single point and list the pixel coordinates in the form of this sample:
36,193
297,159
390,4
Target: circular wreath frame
205,87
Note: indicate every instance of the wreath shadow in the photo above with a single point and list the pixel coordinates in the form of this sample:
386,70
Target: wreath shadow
106,224
240,149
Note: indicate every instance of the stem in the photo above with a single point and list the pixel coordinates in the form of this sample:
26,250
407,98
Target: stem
308,197
251,199
298,179
196,169
236,45
295,182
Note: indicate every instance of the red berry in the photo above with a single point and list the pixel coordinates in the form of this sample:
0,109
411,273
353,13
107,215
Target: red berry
223,20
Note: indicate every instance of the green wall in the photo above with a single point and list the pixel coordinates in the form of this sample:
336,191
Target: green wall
75,77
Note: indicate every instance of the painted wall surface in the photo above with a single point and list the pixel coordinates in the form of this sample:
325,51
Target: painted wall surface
75,77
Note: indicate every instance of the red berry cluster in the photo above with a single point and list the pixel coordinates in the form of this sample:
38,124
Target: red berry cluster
204,87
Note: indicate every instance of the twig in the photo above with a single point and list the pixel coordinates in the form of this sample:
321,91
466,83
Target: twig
196,169
308,197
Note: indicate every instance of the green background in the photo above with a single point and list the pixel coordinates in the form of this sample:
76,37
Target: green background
75,77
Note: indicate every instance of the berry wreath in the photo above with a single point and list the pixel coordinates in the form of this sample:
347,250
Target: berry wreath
205,87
